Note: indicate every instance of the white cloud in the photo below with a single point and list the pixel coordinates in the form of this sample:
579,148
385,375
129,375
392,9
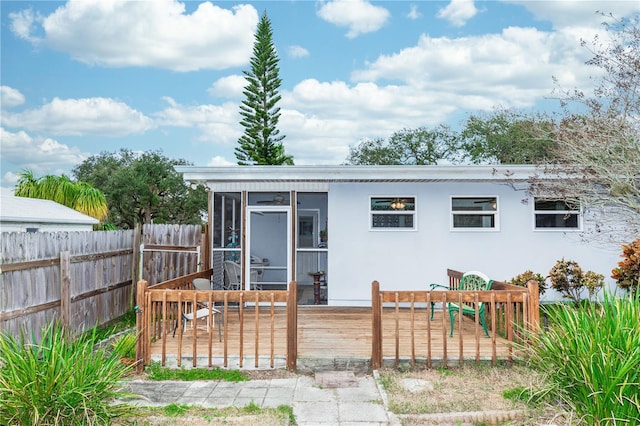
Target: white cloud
78,117
9,180
578,13
513,68
359,16
10,97
23,23
218,161
217,123
414,13
45,155
321,119
147,33
458,12
230,86
297,51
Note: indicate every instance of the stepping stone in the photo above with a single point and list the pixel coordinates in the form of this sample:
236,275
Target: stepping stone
417,385
336,379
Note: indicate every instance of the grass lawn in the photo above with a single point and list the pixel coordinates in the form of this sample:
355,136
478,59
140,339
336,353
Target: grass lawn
182,415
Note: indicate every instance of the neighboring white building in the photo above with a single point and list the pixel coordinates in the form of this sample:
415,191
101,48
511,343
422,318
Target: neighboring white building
400,225
20,214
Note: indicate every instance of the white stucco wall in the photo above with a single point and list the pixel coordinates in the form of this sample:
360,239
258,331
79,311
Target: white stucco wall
412,259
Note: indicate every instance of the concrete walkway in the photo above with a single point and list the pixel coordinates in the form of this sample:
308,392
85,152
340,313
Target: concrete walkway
329,398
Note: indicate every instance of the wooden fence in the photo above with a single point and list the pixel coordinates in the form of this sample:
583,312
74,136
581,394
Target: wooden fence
169,251
511,310
83,278
161,306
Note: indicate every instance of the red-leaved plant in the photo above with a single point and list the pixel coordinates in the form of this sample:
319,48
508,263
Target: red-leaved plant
627,274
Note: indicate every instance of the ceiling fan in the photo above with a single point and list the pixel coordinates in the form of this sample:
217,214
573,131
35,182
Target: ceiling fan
277,200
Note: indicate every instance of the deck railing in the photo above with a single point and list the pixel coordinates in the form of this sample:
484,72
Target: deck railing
511,312
160,309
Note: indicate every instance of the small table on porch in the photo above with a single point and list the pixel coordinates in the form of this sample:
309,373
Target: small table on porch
318,279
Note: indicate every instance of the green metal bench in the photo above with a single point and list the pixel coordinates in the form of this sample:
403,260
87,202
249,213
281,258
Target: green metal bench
470,281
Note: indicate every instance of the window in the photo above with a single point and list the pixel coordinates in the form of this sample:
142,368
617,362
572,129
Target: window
473,213
393,213
556,214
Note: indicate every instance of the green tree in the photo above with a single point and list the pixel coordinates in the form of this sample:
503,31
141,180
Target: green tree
507,137
143,188
408,146
261,142
79,196
597,149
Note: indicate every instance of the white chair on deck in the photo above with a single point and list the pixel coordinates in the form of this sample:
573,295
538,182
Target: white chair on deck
233,277
201,284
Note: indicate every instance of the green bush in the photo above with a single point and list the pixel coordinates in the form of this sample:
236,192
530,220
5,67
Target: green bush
528,275
591,357
125,345
568,278
59,381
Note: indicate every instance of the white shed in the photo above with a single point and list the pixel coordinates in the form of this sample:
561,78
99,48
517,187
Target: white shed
20,214
400,225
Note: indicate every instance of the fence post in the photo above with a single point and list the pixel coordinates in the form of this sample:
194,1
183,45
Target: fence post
376,326
534,305
141,332
65,290
135,262
292,327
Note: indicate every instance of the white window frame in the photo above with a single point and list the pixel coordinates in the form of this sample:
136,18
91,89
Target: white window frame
413,213
578,212
495,213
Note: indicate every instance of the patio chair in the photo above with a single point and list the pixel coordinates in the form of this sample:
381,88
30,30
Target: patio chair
233,277
199,314
470,281
201,284
203,310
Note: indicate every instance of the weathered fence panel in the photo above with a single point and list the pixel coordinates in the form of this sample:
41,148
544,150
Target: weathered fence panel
86,275
170,251
84,278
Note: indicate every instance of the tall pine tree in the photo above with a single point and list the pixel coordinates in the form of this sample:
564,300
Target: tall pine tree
261,142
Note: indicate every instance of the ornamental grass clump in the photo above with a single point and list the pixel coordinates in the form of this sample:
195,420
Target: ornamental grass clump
59,381
591,357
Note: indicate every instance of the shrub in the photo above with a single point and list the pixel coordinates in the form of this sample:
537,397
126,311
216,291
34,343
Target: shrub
627,274
59,380
125,345
591,357
568,278
528,275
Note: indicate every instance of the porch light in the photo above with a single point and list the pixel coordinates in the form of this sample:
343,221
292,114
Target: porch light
397,204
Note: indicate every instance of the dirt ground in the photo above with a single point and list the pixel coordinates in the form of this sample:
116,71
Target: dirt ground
469,388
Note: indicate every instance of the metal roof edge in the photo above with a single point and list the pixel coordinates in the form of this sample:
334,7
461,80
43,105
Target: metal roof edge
43,221
359,173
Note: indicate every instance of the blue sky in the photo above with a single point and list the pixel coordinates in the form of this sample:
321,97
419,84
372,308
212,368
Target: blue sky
83,77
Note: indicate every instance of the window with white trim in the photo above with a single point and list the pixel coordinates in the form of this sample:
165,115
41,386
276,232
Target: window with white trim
552,214
394,212
474,213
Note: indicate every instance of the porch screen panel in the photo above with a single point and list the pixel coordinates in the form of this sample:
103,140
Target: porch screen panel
227,221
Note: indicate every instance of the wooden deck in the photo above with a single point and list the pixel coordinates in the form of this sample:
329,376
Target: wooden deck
329,332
